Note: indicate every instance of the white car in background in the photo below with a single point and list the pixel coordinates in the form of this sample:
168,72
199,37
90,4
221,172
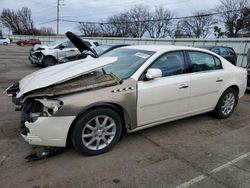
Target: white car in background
48,55
90,103
4,41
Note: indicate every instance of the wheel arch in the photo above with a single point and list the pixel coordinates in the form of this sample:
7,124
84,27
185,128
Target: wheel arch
46,56
118,108
49,55
234,86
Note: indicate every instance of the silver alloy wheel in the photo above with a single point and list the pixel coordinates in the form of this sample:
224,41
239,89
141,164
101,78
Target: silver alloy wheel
99,132
228,104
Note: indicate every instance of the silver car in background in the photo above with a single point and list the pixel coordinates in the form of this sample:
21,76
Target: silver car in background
48,55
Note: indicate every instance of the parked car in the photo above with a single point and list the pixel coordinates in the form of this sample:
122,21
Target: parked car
4,41
99,50
227,52
48,55
86,50
28,42
91,103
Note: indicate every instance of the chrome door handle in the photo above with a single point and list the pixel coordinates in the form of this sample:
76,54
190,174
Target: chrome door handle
183,86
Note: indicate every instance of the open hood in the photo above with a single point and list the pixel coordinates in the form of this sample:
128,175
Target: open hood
79,43
60,73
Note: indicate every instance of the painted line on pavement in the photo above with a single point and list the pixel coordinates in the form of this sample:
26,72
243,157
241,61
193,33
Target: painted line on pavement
202,177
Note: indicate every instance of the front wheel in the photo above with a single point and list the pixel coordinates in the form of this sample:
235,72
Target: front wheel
97,131
5,43
226,104
49,61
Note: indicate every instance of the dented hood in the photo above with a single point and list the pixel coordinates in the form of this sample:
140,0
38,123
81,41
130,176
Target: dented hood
60,73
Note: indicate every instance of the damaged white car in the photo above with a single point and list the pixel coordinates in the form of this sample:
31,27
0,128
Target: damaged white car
48,55
92,103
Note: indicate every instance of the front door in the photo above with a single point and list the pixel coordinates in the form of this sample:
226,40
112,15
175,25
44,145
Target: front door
164,98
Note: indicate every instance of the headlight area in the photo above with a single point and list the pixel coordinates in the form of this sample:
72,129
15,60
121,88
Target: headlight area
34,108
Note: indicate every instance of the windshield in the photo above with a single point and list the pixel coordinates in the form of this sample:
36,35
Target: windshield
55,42
128,61
102,48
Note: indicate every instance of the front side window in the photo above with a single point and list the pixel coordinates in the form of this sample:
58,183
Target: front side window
170,64
68,44
202,62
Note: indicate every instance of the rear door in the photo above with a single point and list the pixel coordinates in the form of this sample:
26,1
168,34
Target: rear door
206,79
167,97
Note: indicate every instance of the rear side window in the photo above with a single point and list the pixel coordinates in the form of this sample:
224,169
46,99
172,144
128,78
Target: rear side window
203,62
231,51
224,51
216,50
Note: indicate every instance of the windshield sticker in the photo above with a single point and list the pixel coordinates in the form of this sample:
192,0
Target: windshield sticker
142,55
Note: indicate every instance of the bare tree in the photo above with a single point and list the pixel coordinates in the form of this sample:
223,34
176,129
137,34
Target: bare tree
10,20
25,20
46,31
245,17
117,25
199,25
139,20
90,29
231,15
161,24
20,22
131,23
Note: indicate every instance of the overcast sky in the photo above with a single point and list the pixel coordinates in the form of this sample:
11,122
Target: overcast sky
97,10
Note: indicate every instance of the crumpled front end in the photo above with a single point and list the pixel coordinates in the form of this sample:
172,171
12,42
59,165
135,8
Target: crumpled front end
40,124
36,56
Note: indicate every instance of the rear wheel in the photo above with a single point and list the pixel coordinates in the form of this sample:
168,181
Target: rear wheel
21,44
97,131
5,43
226,104
49,61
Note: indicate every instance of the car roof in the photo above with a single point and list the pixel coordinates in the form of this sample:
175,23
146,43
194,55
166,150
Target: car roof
162,48
208,47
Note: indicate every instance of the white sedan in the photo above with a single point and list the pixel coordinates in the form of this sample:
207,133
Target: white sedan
91,103
4,41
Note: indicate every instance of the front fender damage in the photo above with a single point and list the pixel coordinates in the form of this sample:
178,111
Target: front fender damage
38,107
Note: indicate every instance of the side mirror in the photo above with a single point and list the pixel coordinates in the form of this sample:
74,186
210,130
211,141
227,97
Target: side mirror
61,47
153,73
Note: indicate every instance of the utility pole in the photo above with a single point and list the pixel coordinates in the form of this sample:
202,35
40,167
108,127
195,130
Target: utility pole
57,19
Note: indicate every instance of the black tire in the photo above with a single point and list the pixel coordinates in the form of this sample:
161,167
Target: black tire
21,44
218,111
5,43
82,125
48,61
